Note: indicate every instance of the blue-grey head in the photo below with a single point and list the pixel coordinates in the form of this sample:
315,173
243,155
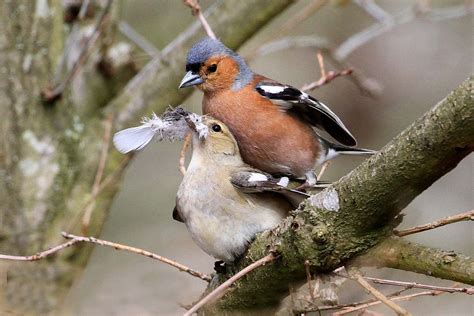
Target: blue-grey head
212,66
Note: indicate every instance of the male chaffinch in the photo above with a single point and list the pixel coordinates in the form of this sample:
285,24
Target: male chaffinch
223,201
272,122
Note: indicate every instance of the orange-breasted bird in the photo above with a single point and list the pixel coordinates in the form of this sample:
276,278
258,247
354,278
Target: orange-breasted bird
272,122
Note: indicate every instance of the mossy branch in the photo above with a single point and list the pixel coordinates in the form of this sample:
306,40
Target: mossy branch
400,254
360,210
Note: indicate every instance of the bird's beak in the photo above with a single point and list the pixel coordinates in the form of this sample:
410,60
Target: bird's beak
190,79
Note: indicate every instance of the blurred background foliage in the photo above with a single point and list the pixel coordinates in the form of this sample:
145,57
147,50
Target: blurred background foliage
417,64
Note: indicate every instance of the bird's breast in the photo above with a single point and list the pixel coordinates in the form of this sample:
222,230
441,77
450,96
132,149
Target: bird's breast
269,138
221,220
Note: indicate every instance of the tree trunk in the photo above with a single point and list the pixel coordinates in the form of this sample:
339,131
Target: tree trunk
50,151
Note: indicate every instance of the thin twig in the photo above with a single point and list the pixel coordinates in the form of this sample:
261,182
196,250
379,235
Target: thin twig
395,299
53,93
405,16
138,39
322,68
326,77
80,239
42,254
69,42
324,166
375,11
138,251
340,306
224,287
104,184
467,216
379,295
194,5
290,23
100,172
308,280
182,154
466,290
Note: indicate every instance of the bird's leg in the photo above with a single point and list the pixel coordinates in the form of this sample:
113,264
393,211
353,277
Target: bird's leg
220,267
311,181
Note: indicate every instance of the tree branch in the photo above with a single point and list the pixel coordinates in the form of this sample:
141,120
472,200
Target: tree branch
360,210
400,254
411,285
380,296
467,216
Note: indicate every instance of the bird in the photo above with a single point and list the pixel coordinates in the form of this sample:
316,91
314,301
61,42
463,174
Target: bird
223,201
272,122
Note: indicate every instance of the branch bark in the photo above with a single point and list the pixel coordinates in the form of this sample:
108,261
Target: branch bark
360,210
400,254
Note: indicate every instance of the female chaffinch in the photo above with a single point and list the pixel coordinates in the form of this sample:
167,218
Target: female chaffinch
272,122
223,201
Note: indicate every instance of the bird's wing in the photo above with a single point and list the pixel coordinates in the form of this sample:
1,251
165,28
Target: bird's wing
250,180
308,108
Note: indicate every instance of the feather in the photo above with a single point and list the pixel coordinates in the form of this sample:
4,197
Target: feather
170,126
293,100
132,139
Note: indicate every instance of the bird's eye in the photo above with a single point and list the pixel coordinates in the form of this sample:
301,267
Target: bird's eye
212,68
216,128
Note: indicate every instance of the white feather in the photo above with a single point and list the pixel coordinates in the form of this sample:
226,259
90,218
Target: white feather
254,177
134,138
272,89
284,182
171,126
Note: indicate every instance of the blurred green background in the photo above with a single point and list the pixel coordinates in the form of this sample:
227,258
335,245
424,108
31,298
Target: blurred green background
417,63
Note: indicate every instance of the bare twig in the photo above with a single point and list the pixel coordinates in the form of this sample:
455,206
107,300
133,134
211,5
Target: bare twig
138,251
69,42
395,299
80,239
224,287
390,21
366,85
53,93
379,295
290,23
308,280
194,5
324,166
322,67
375,11
441,222
42,254
104,184
340,306
100,172
182,154
138,39
326,77
409,285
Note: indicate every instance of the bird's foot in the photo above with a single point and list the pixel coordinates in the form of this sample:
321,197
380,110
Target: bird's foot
312,182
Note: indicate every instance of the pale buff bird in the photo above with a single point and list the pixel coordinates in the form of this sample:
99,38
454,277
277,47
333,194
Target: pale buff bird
223,201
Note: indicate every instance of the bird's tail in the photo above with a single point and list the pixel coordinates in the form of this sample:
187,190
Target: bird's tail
339,149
